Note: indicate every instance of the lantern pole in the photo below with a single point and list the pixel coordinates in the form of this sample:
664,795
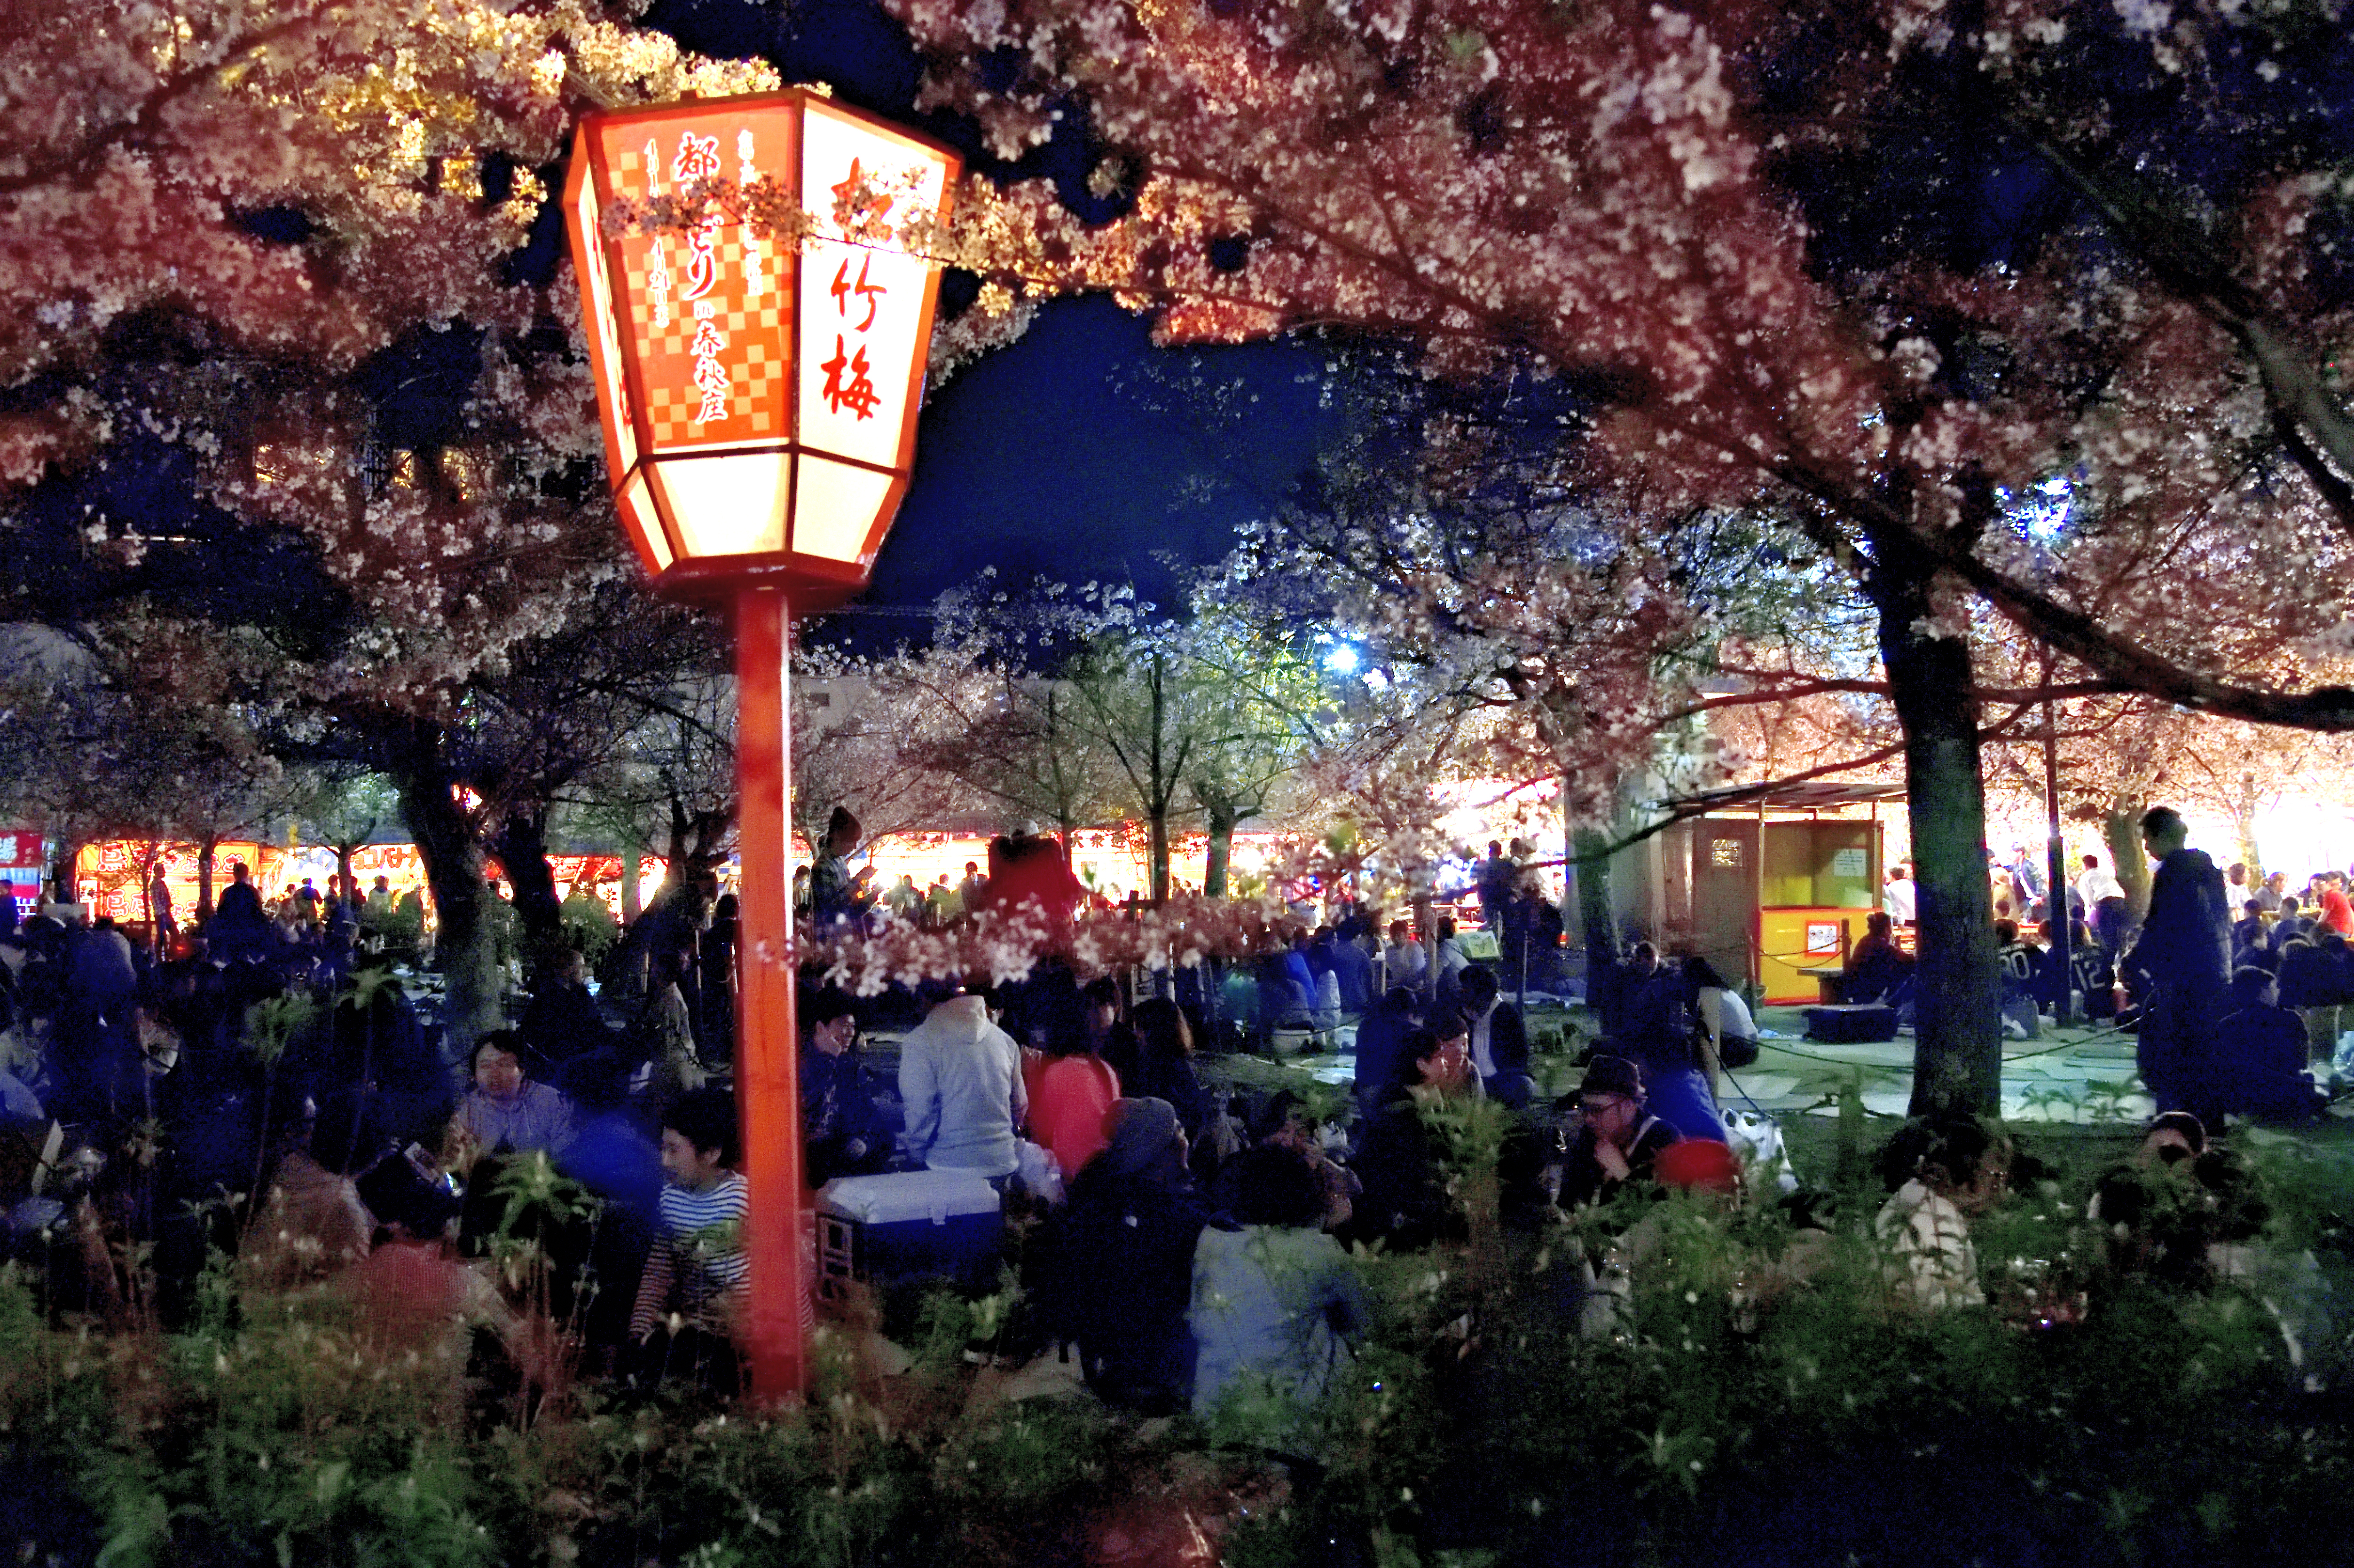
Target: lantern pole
766,1039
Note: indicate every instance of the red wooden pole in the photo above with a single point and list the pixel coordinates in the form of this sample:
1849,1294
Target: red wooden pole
768,1096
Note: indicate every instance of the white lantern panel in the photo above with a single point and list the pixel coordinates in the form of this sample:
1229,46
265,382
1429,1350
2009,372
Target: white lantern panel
834,507
862,295
730,505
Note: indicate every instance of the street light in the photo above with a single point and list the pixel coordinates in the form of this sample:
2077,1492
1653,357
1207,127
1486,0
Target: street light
758,399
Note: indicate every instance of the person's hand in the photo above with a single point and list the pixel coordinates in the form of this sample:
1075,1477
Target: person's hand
1614,1163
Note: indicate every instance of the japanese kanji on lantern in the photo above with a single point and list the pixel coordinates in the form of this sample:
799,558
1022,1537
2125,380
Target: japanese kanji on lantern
758,395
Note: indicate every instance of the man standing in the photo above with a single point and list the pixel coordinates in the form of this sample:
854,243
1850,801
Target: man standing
2026,884
1897,899
960,1081
2105,908
2183,957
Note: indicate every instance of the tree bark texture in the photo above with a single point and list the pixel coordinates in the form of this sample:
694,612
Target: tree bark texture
465,943
1958,1029
208,857
1596,918
521,845
1221,851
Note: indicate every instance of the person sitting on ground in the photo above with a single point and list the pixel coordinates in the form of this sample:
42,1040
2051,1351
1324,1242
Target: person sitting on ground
1617,1136
1353,968
505,1110
1726,1031
1403,956
1284,1122
960,1081
1274,1298
1693,1166
1661,1042
1071,1094
2156,1213
1955,1170
562,1021
1451,959
2290,924
1120,1262
2023,964
1110,1036
2248,930
1875,968
1380,1039
1498,1040
2256,1060
695,1281
1406,1201
1165,1068
2337,910
314,1224
413,1296
842,1132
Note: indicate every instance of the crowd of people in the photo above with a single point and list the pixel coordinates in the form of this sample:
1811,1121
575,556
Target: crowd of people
271,1089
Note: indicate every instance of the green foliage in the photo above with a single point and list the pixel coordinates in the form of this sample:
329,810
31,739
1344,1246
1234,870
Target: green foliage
271,1024
1741,1368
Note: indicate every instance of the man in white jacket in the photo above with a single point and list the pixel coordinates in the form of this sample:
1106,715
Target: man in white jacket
960,1080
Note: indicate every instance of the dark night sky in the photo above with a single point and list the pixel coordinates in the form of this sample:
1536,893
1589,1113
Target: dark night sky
1033,460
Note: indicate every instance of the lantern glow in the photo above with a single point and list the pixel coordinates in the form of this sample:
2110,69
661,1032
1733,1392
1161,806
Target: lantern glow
758,396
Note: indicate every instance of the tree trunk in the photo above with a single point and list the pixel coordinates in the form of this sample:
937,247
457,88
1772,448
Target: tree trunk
632,904
1957,1050
2121,830
521,845
465,944
2244,829
1158,850
1596,918
1221,851
208,856
61,883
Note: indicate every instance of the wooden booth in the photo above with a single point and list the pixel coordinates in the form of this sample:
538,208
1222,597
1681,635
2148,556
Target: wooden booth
1774,883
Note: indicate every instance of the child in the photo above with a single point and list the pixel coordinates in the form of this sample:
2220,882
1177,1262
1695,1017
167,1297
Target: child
695,1279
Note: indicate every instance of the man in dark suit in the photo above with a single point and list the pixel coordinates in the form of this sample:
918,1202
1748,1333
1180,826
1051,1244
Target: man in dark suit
2182,958
1499,1037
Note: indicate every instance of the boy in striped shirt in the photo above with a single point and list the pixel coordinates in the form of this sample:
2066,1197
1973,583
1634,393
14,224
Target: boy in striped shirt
695,1278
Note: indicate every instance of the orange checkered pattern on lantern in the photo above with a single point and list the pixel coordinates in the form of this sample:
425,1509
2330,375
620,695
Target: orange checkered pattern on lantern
756,346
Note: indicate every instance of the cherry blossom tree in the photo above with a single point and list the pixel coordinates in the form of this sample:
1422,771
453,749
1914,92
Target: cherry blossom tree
281,249
1622,194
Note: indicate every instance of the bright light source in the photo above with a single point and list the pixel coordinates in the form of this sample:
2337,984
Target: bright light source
1344,660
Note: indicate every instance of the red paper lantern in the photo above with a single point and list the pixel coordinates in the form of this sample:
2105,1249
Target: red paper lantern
759,398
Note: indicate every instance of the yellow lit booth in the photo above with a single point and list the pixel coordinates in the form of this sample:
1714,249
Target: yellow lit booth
1775,881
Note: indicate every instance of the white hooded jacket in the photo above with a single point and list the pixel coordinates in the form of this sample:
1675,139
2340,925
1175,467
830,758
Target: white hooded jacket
960,1080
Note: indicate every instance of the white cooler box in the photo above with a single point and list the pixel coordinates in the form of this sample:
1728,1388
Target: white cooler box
909,1225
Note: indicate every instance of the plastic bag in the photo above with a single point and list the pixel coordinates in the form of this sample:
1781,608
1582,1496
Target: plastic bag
1757,1139
1039,1176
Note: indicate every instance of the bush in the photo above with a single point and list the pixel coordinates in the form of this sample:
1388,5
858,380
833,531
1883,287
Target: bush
1763,1394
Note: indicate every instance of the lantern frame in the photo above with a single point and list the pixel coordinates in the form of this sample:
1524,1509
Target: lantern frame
651,509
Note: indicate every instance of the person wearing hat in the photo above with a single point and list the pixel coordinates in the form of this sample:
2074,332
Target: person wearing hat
1118,1273
1618,1139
